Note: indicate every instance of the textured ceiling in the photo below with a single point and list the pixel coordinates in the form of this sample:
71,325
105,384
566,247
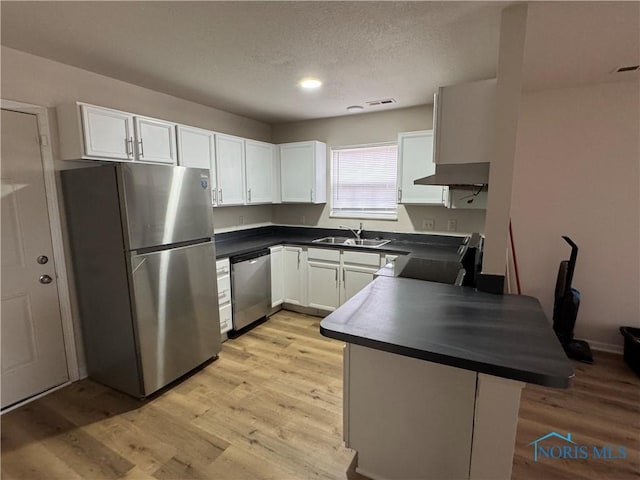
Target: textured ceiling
247,57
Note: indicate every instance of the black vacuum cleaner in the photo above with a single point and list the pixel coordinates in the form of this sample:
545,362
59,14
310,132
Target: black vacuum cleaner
565,309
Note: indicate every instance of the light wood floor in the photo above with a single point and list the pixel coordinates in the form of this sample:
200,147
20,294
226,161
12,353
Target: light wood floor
271,408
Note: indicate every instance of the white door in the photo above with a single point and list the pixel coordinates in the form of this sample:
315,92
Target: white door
323,285
259,168
108,133
415,160
33,353
156,141
296,170
230,164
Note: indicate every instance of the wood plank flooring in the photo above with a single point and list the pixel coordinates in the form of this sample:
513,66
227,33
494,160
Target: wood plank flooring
601,408
271,408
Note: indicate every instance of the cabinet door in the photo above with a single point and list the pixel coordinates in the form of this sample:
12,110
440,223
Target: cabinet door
155,141
277,276
323,285
464,122
107,133
354,279
230,169
226,319
259,164
294,276
296,171
415,160
195,147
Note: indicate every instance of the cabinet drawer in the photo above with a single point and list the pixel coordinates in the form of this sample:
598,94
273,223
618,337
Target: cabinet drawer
325,254
222,267
224,290
225,318
361,258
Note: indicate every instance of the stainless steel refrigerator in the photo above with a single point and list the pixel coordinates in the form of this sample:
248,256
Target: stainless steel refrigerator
144,265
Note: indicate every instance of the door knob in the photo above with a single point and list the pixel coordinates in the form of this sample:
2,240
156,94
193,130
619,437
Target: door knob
45,279
42,259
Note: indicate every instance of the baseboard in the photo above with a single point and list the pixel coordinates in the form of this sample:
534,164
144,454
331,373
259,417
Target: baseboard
314,312
605,347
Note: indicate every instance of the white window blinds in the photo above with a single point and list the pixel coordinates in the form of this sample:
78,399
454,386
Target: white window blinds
363,181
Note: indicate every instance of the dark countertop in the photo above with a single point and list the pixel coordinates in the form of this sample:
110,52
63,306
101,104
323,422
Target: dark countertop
439,247
442,271
506,336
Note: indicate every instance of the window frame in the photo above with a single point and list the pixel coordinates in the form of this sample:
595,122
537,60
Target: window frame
364,215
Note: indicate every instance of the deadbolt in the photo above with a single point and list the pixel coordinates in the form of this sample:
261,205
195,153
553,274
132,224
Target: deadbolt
42,259
45,279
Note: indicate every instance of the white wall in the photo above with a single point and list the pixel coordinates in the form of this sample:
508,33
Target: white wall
577,174
362,129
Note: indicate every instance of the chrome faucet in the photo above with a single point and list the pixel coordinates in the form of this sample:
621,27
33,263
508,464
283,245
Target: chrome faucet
357,233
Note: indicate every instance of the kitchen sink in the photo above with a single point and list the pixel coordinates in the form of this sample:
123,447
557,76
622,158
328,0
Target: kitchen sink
332,240
352,242
366,242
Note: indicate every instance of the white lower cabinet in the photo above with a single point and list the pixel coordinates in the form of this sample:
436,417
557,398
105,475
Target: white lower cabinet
295,275
358,270
335,276
223,270
277,276
323,278
354,279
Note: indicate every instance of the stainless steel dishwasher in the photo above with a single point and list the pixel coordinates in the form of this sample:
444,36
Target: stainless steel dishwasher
250,287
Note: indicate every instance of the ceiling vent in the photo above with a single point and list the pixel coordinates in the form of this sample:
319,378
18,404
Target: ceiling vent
629,68
386,101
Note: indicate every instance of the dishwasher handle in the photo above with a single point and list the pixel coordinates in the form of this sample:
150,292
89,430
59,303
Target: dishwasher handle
250,255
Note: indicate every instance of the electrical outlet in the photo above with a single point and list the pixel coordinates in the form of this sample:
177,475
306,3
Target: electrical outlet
452,225
241,220
303,219
428,224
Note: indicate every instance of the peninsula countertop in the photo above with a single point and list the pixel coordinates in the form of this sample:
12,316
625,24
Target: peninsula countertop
506,336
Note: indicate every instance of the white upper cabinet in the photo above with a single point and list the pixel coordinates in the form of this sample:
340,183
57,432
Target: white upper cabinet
98,133
415,160
303,172
464,122
107,133
155,141
230,169
195,147
259,166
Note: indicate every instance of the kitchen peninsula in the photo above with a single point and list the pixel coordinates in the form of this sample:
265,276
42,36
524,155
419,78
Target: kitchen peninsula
433,375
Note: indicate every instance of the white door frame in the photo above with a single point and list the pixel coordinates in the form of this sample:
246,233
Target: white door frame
55,226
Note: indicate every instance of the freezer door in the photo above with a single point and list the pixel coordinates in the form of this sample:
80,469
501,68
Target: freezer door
176,311
165,205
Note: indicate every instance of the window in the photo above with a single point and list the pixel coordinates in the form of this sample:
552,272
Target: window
363,181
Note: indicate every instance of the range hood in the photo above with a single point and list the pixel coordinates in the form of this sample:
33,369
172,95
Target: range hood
458,174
